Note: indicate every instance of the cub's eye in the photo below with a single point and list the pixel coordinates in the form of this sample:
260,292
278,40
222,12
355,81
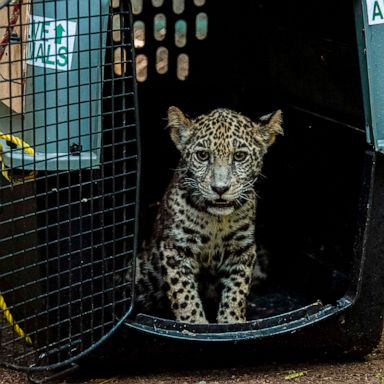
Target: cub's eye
202,155
240,156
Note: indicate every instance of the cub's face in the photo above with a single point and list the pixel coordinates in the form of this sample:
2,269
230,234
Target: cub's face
222,155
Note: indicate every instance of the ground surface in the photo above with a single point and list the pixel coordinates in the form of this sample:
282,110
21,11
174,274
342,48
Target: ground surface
371,371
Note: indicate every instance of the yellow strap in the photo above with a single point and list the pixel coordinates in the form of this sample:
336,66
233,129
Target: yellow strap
27,149
5,172
8,315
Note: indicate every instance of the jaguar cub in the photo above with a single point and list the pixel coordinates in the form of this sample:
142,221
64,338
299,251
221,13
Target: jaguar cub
203,244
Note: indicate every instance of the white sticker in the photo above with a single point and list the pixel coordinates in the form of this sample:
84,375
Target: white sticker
51,42
375,10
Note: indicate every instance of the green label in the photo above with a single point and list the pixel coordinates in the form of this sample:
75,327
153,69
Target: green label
375,11
51,42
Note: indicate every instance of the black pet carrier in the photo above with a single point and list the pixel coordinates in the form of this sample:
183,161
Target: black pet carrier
71,168
319,213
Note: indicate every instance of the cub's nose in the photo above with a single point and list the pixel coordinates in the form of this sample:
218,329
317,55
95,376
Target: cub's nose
220,190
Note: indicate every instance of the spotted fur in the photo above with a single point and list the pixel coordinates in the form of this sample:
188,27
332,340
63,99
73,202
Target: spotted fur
203,244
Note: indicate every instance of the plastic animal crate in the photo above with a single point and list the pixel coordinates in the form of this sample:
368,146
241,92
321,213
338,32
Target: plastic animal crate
69,207
319,212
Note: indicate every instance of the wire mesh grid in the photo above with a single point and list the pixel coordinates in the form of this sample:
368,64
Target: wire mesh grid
69,172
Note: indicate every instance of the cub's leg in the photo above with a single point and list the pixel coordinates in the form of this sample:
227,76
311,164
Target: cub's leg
236,282
179,274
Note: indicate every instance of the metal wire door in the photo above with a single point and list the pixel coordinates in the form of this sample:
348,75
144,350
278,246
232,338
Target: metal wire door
69,177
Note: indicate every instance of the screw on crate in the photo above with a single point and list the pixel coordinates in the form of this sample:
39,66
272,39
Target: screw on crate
15,142
14,38
75,149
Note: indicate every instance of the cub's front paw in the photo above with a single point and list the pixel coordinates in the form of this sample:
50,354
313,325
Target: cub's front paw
193,317
231,317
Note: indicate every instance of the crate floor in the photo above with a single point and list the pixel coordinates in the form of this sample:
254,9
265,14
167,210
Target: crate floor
275,302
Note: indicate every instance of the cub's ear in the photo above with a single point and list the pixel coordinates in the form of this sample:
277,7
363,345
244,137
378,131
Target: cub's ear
270,126
180,127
